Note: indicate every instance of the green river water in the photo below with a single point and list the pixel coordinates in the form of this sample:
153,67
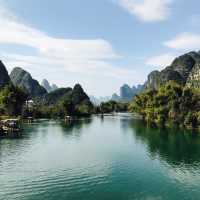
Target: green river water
110,158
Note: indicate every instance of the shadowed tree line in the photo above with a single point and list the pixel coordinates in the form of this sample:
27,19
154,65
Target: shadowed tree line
175,146
170,104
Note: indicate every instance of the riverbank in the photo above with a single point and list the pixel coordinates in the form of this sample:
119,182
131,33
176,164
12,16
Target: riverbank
171,104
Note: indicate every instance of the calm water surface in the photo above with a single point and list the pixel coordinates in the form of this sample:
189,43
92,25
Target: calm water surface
115,158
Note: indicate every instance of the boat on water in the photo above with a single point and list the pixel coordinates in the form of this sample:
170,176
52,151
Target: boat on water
10,125
68,118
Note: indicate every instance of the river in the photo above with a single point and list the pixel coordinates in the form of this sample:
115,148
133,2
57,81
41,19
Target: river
110,158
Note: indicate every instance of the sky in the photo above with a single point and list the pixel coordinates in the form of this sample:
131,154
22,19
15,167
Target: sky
100,44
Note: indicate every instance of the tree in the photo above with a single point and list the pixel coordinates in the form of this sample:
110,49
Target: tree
12,100
169,103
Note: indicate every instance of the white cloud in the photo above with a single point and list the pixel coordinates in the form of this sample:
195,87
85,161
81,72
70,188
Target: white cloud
14,32
184,41
161,60
70,59
83,66
148,10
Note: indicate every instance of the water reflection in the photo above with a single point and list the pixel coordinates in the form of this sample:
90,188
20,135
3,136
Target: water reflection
175,146
75,127
110,158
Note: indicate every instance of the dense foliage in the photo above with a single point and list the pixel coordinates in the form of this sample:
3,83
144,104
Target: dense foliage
62,102
12,100
112,106
169,104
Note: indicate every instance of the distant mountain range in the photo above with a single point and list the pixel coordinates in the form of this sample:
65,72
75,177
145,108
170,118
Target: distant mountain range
185,70
99,100
50,88
127,93
45,95
23,79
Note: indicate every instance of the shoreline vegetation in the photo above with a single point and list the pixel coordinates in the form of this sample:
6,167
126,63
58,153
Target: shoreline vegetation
23,97
16,103
169,98
171,105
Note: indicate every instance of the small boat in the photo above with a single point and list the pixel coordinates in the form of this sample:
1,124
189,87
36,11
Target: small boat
10,125
69,118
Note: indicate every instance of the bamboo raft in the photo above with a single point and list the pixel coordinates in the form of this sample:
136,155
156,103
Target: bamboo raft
10,126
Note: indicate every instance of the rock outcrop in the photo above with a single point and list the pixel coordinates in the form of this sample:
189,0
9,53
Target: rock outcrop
76,96
153,80
24,80
185,70
54,97
54,87
126,92
79,96
4,77
50,88
194,77
46,85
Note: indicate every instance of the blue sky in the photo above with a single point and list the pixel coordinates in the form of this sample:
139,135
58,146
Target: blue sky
98,43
